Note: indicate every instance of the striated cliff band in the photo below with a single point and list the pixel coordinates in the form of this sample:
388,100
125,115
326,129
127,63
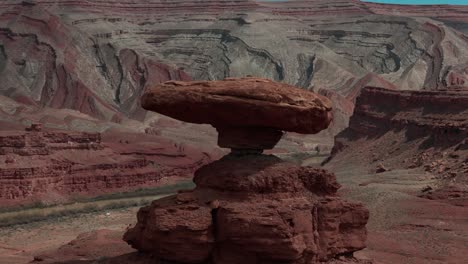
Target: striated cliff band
52,166
97,56
426,130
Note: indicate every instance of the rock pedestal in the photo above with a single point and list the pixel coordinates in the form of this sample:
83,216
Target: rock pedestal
245,138
250,208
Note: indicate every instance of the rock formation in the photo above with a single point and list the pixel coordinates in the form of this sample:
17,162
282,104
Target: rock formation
48,63
52,165
410,129
249,207
97,56
250,113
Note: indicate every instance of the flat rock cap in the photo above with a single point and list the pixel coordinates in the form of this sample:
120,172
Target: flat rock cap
241,102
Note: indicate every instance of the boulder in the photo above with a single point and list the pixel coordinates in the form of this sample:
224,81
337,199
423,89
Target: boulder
241,102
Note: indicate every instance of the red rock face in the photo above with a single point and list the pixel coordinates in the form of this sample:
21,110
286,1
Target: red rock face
421,112
252,209
142,72
57,71
145,6
457,77
54,74
410,129
53,165
263,174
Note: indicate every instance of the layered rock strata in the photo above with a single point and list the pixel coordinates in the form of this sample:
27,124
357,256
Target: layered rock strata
97,56
248,207
47,62
410,129
52,166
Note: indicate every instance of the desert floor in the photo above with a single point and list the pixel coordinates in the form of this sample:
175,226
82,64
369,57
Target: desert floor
403,228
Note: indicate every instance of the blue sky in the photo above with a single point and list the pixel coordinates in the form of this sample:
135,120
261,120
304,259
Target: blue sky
413,2
422,2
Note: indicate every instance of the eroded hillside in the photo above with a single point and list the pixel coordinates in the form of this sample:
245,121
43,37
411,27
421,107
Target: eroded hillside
97,56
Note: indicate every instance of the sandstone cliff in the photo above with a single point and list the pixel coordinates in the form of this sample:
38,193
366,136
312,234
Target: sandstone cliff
52,166
410,129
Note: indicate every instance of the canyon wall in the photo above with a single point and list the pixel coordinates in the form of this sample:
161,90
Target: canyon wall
425,130
48,63
54,166
97,56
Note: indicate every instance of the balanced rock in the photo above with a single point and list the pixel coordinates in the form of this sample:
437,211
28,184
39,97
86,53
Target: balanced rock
249,113
249,208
